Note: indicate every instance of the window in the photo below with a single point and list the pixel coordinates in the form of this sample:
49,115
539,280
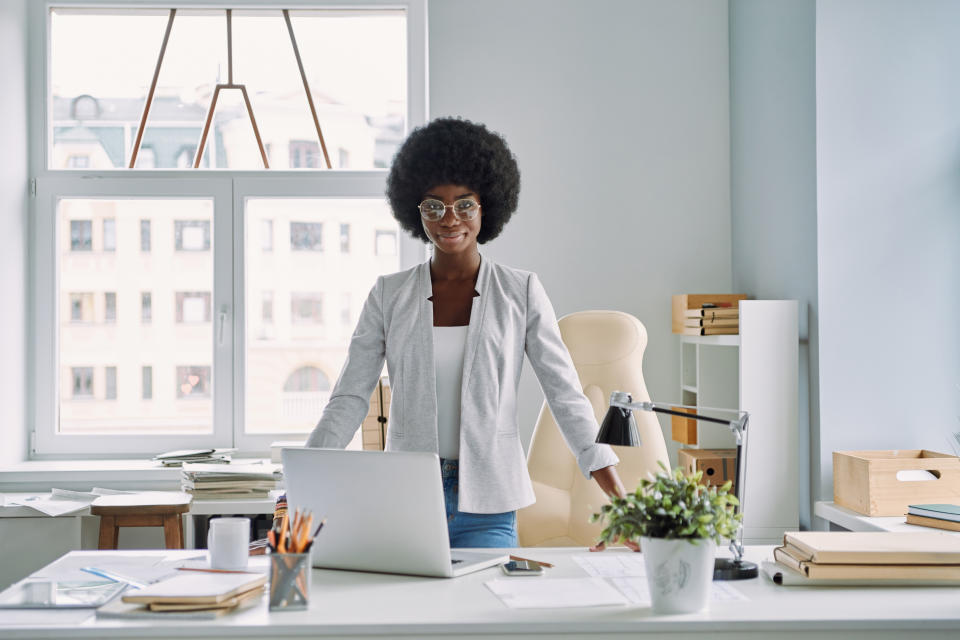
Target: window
193,382
306,308
109,234
110,307
146,382
146,307
266,235
193,307
81,235
110,383
82,382
192,235
386,243
306,236
344,238
144,235
346,315
305,392
222,357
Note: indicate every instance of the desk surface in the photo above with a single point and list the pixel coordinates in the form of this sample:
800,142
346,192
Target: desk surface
853,521
352,604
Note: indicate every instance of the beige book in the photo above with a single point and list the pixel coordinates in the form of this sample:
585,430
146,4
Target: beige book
709,331
936,523
875,547
229,603
197,588
940,573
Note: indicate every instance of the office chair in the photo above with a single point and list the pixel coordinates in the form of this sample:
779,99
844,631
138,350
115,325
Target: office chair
607,350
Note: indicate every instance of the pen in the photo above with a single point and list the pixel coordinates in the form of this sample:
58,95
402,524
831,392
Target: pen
116,577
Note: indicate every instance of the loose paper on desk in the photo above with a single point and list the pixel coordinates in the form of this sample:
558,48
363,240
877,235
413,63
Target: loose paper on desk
540,593
142,568
612,564
60,502
637,591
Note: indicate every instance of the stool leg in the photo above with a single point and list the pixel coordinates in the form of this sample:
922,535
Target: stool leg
173,531
108,532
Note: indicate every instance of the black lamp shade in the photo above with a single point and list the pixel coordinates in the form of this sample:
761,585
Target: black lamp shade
619,428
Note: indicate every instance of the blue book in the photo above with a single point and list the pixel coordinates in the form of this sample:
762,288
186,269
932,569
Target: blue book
939,511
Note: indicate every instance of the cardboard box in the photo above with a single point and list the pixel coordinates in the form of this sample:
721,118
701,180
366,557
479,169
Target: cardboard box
885,483
718,465
683,430
374,429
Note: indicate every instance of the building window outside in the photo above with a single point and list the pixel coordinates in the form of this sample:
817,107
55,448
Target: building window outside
386,243
81,307
146,382
110,307
146,307
82,382
193,382
306,308
345,313
306,236
78,162
109,234
192,235
145,235
344,238
266,307
81,235
304,154
344,158
266,235
193,306
307,379
111,383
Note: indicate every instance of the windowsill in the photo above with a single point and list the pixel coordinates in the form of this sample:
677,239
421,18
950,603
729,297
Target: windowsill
83,475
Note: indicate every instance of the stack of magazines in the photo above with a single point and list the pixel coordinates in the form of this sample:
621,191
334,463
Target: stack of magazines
230,481
209,456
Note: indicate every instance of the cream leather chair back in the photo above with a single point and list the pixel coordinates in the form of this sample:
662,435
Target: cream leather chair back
607,350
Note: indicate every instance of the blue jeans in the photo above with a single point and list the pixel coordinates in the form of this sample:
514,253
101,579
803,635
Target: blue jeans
474,529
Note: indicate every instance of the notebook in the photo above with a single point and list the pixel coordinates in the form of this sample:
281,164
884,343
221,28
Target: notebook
874,547
197,588
384,512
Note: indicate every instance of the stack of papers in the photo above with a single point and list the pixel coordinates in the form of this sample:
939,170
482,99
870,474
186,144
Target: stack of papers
62,501
208,456
230,481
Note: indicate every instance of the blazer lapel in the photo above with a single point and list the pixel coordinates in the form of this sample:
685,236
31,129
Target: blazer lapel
425,321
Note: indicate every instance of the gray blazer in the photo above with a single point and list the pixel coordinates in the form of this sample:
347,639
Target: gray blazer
511,316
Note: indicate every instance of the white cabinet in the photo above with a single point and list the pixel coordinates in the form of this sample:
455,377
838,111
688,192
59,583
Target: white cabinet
756,371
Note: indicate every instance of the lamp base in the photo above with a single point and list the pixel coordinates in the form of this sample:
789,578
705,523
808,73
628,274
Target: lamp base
730,569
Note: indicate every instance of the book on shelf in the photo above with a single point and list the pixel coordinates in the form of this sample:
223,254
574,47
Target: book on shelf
709,322
683,303
874,547
709,331
787,556
712,312
940,511
936,523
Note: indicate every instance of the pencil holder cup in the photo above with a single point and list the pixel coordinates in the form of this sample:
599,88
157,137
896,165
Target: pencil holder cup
289,581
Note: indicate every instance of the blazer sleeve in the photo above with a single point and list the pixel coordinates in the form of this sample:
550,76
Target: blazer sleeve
350,400
561,386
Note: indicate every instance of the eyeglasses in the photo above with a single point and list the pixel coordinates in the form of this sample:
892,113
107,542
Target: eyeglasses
434,210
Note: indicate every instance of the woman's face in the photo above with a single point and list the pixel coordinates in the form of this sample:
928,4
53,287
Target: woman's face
450,234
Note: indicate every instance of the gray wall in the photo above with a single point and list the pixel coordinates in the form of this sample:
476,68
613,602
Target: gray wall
888,224
618,112
13,223
773,180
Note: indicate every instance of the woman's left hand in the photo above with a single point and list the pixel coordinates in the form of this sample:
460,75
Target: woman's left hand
609,481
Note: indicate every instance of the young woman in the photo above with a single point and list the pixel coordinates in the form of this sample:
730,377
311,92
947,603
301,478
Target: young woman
454,332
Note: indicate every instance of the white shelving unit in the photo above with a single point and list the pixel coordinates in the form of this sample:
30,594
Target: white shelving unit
756,371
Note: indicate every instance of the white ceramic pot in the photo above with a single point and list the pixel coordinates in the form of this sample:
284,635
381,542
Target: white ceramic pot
679,573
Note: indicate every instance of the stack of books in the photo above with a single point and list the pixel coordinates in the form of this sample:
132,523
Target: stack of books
189,595
712,320
939,516
230,481
872,557
209,456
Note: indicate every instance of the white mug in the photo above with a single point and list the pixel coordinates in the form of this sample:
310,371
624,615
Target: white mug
229,542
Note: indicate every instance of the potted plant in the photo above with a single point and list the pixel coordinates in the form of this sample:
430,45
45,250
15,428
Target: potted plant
678,523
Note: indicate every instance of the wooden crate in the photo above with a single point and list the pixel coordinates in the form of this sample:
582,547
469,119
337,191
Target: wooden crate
867,482
374,426
718,465
684,301
683,430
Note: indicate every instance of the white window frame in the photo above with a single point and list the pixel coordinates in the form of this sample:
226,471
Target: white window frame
229,190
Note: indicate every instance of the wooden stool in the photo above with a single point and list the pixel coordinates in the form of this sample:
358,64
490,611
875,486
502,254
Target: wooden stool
153,509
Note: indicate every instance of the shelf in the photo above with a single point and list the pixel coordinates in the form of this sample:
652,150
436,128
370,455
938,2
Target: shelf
719,341
689,387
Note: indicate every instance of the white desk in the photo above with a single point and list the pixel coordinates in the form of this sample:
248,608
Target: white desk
364,605
853,521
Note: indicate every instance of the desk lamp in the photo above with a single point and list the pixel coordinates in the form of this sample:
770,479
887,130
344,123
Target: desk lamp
619,428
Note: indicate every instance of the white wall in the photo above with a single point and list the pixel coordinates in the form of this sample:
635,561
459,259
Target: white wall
888,224
13,223
773,180
618,112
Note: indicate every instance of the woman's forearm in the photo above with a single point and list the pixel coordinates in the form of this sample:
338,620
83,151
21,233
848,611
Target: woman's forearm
609,481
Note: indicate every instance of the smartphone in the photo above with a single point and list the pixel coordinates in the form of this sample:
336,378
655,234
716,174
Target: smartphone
522,568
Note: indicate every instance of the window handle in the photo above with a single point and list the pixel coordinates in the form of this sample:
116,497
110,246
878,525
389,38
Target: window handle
221,321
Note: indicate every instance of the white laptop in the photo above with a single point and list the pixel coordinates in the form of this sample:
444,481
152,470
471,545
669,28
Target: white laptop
384,510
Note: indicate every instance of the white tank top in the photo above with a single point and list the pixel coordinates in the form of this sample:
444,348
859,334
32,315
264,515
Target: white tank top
448,347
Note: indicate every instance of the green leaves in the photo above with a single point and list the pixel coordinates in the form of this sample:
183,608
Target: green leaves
671,505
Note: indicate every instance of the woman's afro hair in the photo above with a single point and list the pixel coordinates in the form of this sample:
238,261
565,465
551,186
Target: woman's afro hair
454,151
